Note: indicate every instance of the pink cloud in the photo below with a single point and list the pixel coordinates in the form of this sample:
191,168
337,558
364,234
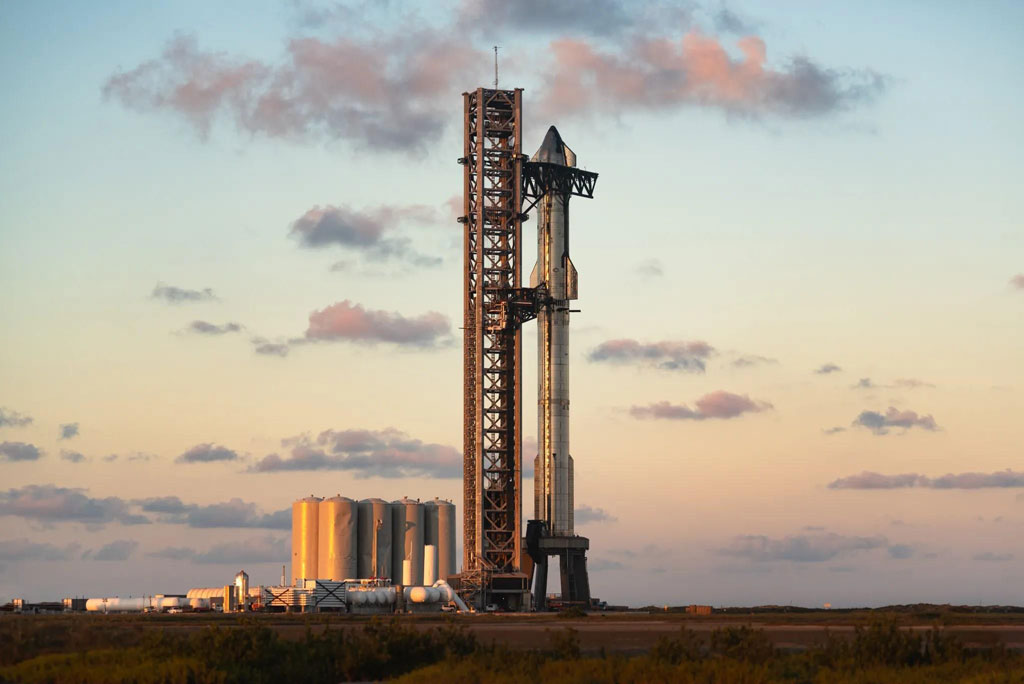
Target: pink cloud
720,404
658,73
1017,281
348,321
386,93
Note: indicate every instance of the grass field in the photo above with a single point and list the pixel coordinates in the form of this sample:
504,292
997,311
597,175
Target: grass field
850,647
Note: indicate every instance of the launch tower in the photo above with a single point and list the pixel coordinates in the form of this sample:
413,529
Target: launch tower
497,178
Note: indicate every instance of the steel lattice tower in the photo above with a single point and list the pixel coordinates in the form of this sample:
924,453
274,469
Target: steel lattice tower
493,273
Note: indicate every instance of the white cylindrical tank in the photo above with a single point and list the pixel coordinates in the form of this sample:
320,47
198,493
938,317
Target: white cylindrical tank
374,524
117,605
429,563
439,530
199,603
305,521
407,538
337,536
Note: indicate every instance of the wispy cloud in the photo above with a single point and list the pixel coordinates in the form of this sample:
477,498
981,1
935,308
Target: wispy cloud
207,453
24,550
873,480
880,423
266,549
585,514
749,360
666,355
234,513
367,453
347,321
650,268
264,347
716,405
9,418
1017,281
68,430
383,92
72,456
899,383
801,548
827,368
119,550
178,295
992,557
205,328
49,503
19,451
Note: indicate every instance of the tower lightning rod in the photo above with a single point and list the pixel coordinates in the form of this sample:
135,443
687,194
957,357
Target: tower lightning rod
496,66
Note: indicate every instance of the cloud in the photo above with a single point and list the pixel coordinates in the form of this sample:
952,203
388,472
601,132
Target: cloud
363,231
206,453
901,551
262,346
991,557
587,514
666,355
25,550
49,503
9,418
753,360
204,328
1017,281
834,430
899,383
595,17
348,321
119,550
68,430
603,564
234,513
801,548
267,549
385,453
72,456
697,70
19,451
880,423
727,21
177,295
650,268
387,93
871,480
720,405
827,368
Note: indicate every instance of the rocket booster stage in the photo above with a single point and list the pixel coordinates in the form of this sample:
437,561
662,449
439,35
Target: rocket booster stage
553,466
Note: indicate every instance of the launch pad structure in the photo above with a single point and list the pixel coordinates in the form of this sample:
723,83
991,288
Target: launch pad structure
498,178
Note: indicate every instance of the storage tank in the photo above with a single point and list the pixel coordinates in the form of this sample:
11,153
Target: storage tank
407,539
337,539
372,511
242,589
439,530
305,519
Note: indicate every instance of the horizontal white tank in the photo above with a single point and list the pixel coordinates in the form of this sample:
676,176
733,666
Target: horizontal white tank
140,604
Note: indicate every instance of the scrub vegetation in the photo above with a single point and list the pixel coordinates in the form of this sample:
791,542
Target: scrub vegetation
93,651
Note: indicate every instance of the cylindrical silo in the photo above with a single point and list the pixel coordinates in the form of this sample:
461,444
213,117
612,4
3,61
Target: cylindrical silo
305,520
407,538
374,526
439,530
337,539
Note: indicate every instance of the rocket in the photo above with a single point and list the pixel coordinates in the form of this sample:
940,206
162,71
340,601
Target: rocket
553,466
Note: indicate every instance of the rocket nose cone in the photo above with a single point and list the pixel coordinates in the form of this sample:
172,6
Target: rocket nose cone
552,150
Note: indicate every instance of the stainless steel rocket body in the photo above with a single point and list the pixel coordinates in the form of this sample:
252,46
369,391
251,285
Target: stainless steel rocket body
553,486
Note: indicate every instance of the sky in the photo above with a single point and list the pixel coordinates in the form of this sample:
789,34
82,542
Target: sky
231,277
